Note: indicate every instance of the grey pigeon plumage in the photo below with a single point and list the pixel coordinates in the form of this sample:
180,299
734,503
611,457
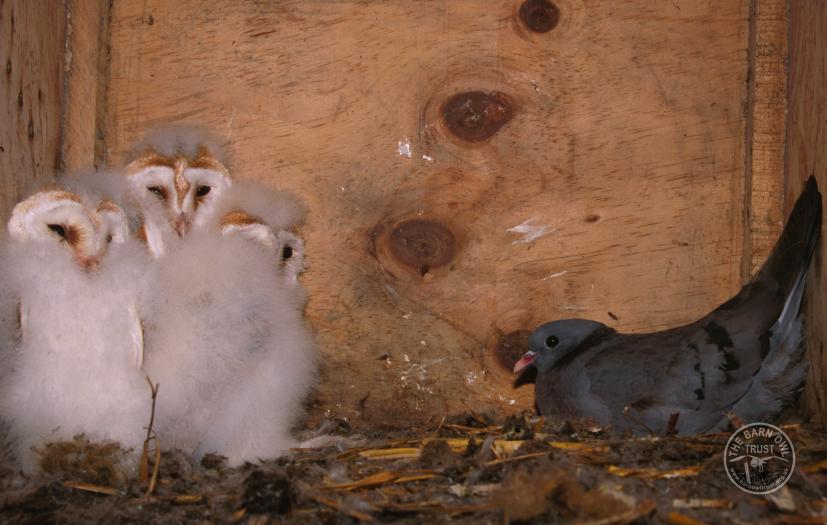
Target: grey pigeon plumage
744,357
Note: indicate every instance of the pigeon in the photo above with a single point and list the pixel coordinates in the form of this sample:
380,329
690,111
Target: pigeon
743,358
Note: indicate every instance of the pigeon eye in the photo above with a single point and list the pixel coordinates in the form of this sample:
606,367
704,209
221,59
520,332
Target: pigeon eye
158,191
202,191
58,230
552,341
286,253
109,238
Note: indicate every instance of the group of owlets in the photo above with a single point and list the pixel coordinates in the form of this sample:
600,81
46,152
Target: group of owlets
166,269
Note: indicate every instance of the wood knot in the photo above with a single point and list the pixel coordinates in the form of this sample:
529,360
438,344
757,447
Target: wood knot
511,347
475,116
422,244
540,16
592,217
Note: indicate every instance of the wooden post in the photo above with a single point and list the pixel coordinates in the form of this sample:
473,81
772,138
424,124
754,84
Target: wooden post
807,155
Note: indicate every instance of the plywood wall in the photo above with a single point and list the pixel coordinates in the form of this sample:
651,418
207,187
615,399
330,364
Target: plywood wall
474,168
32,40
807,155
471,169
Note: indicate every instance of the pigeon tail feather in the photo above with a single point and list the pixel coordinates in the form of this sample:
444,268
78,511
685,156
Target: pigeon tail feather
797,243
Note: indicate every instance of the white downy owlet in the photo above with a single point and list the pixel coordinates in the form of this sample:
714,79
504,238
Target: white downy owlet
75,367
227,343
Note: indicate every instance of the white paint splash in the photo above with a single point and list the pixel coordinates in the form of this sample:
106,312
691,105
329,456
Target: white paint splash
403,147
529,231
555,275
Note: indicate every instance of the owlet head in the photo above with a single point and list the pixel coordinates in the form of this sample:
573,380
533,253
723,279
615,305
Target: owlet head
177,191
61,217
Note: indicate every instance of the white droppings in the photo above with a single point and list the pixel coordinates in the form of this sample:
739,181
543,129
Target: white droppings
471,378
423,343
407,359
342,189
573,308
407,316
403,147
419,371
428,158
529,231
392,293
510,401
555,275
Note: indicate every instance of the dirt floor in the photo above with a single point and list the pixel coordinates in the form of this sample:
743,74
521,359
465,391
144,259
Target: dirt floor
468,469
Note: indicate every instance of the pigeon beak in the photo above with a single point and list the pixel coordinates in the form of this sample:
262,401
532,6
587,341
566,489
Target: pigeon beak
523,362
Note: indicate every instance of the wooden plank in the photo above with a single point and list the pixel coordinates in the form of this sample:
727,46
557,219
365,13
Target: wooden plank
806,155
31,54
602,177
766,129
87,66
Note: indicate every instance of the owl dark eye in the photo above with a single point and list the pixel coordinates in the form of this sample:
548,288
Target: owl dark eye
109,238
201,191
552,341
58,230
158,191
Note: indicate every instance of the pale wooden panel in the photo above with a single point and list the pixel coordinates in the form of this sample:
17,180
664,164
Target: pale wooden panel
624,163
766,128
31,53
87,70
807,155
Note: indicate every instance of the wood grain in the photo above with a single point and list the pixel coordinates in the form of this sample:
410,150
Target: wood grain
611,188
87,71
807,155
766,129
31,89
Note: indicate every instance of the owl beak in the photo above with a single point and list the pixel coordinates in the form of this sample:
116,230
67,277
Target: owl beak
181,225
90,264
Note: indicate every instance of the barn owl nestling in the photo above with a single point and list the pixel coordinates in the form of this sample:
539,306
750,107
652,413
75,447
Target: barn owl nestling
78,280
175,181
227,343
285,245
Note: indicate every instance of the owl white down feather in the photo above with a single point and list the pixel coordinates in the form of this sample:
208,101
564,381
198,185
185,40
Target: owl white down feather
79,280
227,345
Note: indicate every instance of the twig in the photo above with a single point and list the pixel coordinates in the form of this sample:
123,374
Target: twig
150,436
676,518
644,509
91,487
651,473
672,426
636,420
516,458
337,505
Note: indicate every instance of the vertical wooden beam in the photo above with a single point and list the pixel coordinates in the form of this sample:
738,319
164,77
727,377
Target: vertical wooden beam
31,89
766,106
806,155
87,68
